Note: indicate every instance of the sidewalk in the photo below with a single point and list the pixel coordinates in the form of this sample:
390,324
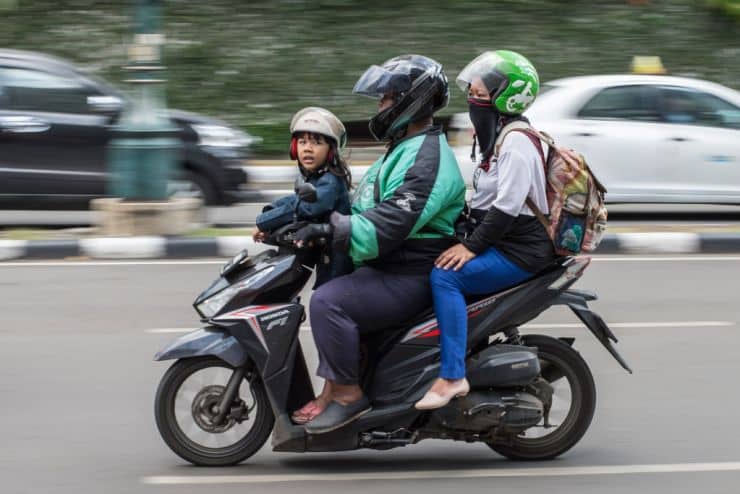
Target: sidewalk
154,247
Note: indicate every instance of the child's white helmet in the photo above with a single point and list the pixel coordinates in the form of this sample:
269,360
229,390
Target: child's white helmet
319,121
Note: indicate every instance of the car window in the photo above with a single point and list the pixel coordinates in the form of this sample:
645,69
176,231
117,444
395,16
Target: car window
623,102
33,90
690,107
3,99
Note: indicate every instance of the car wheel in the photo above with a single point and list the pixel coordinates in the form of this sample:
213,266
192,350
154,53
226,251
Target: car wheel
193,185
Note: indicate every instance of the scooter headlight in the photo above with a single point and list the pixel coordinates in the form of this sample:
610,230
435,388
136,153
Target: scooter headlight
212,305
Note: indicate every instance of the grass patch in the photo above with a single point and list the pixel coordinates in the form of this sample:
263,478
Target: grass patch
25,234
219,232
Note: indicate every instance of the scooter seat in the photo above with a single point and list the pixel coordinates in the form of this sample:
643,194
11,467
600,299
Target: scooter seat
471,299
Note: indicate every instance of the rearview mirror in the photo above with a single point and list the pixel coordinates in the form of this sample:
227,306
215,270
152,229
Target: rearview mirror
105,104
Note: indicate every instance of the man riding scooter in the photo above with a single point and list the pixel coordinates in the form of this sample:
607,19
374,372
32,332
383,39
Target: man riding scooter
402,218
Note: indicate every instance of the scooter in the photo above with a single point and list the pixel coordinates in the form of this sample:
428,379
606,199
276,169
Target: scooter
239,378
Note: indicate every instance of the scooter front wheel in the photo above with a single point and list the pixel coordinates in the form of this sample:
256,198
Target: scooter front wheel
186,411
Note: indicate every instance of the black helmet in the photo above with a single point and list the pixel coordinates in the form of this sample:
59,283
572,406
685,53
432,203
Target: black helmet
419,86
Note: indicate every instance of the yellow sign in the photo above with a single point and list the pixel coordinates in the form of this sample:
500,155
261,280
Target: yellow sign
647,65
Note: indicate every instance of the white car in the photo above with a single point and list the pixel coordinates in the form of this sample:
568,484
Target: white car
647,138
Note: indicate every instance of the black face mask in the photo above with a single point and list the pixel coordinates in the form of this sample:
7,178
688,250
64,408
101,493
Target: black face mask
485,119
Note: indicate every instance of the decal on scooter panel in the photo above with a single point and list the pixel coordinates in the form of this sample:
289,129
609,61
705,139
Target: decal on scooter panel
478,306
423,330
430,329
249,315
279,318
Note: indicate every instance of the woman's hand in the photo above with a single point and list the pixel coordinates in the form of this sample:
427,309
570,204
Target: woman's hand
455,257
258,235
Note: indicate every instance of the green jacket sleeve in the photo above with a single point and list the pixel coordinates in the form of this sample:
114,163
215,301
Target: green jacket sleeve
411,194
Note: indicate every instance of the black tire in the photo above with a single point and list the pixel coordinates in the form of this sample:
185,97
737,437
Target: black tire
199,454
560,358
194,185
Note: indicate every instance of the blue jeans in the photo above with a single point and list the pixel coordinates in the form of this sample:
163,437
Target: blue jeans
488,272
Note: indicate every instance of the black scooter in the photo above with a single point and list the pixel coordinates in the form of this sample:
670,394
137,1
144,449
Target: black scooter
242,375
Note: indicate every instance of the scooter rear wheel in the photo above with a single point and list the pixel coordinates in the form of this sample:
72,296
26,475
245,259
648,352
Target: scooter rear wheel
564,368
185,406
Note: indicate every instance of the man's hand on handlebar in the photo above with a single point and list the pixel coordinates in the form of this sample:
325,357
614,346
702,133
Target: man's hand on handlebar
310,234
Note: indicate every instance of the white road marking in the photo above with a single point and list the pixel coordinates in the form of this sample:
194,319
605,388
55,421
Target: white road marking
664,259
675,324
185,262
665,324
446,474
72,263
169,330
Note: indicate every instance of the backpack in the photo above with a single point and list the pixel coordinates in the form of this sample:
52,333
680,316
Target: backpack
577,219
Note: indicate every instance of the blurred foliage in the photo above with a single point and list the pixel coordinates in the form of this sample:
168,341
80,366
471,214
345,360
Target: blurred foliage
729,7
255,63
219,232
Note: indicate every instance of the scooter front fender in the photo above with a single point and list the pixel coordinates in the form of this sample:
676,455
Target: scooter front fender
205,341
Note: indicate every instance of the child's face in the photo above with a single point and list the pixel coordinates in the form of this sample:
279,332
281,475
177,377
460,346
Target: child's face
312,151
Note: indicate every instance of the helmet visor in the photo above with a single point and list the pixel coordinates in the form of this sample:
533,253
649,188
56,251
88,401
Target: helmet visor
377,81
483,68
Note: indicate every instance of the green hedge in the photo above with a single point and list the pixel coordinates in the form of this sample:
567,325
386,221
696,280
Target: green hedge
728,7
255,63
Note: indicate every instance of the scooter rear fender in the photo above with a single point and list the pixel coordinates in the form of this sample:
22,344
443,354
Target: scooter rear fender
577,301
209,340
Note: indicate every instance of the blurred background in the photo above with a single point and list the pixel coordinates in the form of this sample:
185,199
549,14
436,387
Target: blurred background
255,63
237,71
83,90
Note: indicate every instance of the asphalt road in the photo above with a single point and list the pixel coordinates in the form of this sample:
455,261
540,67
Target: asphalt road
77,383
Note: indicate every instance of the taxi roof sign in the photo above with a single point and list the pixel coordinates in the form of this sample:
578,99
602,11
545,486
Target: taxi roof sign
647,65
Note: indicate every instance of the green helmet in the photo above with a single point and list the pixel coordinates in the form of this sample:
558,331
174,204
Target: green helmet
510,78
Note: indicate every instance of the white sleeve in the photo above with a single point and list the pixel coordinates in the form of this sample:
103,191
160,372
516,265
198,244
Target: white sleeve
514,181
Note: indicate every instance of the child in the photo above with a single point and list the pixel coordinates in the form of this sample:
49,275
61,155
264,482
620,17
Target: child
317,136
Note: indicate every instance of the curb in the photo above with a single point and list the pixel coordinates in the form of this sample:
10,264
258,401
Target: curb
128,248
155,247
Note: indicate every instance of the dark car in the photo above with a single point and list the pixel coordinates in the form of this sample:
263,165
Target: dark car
55,125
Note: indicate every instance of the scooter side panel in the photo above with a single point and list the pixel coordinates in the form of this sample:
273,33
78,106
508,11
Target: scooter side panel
266,331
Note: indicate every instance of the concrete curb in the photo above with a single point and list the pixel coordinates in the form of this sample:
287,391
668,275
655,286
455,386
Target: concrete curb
183,248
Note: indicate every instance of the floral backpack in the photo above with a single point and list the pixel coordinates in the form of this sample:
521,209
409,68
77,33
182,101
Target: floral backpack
577,219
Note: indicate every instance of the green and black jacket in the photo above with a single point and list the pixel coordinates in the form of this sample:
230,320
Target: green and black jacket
404,210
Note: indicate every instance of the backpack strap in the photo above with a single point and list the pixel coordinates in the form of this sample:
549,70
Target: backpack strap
537,138
519,125
537,142
543,219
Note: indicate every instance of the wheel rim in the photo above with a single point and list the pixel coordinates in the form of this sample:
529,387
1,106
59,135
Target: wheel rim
566,401
193,407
